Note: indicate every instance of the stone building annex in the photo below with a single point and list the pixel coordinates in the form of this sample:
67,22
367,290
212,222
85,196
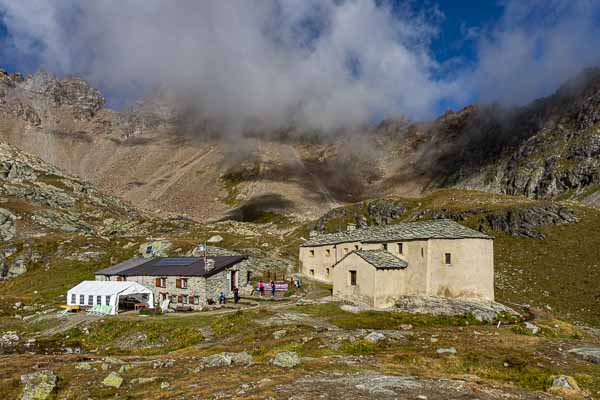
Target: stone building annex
377,265
184,281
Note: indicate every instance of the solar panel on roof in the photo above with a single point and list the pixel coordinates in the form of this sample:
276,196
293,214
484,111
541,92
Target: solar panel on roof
176,262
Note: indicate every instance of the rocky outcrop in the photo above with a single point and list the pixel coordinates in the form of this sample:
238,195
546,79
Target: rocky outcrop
8,227
373,212
286,359
482,311
113,380
591,354
38,94
523,221
38,385
48,198
226,359
14,265
61,221
362,385
527,221
548,148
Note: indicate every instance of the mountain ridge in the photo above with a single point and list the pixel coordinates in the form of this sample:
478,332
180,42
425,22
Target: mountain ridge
164,161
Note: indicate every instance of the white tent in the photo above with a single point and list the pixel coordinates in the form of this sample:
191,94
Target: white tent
107,293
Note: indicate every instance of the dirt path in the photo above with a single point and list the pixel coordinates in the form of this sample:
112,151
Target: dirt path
68,322
170,178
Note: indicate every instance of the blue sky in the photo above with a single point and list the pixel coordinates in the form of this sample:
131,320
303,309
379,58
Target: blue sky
460,16
326,63
452,41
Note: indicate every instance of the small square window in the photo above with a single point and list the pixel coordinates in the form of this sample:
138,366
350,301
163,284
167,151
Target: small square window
356,247
312,253
385,247
312,272
327,271
448,258
149,249
328,253
400,248
352,278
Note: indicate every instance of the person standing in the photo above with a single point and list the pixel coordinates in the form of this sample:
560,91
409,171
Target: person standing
261,288
236,295
272,288
222,298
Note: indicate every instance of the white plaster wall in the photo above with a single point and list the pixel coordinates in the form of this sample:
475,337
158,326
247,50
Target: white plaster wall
364,290
319,262
471,273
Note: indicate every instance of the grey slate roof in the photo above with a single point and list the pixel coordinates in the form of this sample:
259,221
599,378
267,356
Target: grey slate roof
381,259
122,266
435,229
173,266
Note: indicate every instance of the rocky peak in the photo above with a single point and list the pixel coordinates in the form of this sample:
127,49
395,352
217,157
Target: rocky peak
70,91
39,97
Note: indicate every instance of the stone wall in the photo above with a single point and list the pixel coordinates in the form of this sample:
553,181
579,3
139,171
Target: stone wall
205,288
221,282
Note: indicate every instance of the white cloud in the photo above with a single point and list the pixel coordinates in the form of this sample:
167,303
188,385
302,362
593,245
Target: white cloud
535,47
324,64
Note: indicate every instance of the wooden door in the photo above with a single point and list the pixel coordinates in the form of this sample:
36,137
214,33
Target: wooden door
233,280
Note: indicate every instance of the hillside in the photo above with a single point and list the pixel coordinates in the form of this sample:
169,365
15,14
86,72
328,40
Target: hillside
58,230
547,149
161,159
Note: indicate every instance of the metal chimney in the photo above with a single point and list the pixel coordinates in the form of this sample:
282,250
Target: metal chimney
210,264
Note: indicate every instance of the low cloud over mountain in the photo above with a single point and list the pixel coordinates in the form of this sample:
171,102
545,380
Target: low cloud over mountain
317,64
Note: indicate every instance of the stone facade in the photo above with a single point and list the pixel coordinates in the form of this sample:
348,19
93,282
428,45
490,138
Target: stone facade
199,288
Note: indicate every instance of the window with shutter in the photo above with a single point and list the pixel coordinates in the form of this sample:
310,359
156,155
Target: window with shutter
158,282
180,299
178,283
